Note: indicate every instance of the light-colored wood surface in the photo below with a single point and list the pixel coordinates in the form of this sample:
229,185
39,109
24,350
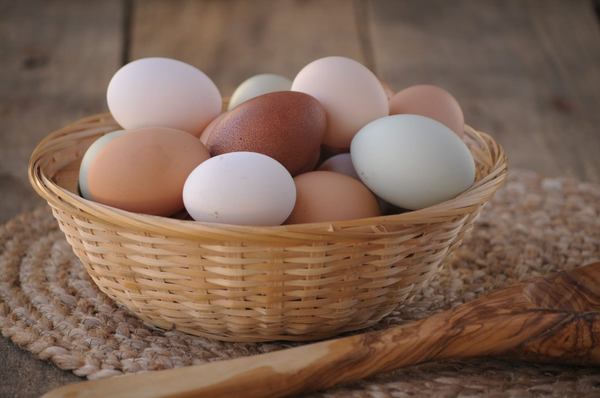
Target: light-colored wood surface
551,319
526,72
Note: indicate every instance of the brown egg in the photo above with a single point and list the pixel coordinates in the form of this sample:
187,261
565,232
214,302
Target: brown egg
312,163
325,196
208,130
144,172
342,164
388,90
432,102
287,126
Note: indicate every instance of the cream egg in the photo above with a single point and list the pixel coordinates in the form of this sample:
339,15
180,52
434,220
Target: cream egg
350,93
163,92
258,85
412,161
244,188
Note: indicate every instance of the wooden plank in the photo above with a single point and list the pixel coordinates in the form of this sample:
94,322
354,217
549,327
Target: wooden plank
233,40
527,72
57,59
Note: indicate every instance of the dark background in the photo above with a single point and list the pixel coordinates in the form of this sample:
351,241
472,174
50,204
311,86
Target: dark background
526,72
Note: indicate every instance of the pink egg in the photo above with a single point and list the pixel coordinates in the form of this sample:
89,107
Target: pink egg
432,102
350,93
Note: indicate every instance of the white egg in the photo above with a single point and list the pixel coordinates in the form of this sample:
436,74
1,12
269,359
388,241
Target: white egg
244,188
258,85
412,161
163,92
89,157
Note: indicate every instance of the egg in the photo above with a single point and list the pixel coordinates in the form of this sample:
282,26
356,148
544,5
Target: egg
350,93
412,161
208,130
243,188
325,196
144,170
258,85
430,101
312,163
287,126
342,164
89,157
163,92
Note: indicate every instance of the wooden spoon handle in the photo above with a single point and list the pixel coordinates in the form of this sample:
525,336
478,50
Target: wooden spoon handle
325,364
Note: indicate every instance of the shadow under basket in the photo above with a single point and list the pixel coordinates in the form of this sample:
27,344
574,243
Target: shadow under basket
239,283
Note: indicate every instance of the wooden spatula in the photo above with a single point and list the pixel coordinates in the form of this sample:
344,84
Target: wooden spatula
554,318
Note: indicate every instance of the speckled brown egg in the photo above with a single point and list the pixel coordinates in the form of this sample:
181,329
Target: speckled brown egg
208,130
287,126
144,171
312,163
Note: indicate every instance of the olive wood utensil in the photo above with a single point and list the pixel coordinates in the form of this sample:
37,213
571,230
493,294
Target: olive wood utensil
555,318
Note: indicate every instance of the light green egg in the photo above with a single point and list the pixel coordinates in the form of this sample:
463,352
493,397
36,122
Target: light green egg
258,85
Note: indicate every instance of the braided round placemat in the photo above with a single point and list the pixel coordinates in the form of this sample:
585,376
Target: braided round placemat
534,226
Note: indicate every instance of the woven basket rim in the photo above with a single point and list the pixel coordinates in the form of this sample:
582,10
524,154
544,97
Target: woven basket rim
480,192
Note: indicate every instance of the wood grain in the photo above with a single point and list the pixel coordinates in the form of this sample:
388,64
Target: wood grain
526,72
57,60
233,40
520,321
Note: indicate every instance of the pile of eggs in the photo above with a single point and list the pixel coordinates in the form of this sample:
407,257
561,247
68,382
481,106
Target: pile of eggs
254,164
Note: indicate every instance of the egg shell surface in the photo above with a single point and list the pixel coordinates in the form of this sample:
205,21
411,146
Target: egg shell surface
325,196
312,163
163,92
258,85
412,161
430,101
350,93
89,157
243,188
287,126
144,170
208,130
342,164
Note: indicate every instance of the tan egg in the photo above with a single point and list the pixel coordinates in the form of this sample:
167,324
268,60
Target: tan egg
325,196
208,130
342,164
388,90
144,171
432,102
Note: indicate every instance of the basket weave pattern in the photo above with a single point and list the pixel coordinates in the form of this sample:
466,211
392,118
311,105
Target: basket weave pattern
239,283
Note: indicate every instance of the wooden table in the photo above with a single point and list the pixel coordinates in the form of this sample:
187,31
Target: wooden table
527,72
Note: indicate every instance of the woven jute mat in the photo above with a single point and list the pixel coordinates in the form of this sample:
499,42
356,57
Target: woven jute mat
534,226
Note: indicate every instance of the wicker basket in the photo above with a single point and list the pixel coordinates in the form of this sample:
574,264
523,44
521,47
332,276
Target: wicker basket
238,283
